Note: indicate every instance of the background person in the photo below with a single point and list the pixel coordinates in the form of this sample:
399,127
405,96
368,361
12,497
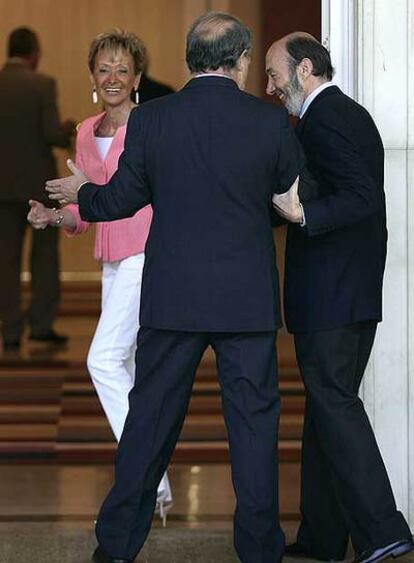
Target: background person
149,88
30,127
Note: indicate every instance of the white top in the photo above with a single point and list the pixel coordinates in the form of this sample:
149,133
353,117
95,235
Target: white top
103,144
312,96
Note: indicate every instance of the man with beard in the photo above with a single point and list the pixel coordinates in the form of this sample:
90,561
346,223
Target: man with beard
335,260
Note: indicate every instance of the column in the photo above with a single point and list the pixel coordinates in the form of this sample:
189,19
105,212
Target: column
372,43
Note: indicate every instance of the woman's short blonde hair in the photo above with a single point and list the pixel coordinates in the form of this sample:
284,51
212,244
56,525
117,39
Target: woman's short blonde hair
114,40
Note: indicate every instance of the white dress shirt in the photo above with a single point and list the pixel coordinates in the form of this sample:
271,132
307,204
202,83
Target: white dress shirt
216,74
312,96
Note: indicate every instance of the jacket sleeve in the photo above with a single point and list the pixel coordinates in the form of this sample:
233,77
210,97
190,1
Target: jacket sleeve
354,194
292,163
291,159
128,190
53,131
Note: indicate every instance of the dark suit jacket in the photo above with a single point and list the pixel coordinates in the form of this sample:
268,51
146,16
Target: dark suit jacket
208,159
335,265
30,127
150,89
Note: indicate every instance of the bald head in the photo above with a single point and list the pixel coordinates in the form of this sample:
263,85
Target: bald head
296,65
300,45
280,46
213,25
216,41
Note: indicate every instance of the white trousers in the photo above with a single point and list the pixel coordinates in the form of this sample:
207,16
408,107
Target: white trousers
111,357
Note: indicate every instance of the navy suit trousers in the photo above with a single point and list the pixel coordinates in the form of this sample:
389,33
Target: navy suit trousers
345,487
166,364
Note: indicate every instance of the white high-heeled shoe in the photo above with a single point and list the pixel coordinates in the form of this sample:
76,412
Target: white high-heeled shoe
164,499
162,507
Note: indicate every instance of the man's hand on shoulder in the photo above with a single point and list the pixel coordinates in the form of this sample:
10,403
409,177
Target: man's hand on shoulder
65,190
288,206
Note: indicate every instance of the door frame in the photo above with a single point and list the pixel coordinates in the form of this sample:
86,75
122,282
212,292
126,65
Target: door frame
340,36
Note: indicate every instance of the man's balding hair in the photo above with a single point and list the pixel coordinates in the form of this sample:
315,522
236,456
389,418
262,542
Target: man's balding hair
216,40
301,46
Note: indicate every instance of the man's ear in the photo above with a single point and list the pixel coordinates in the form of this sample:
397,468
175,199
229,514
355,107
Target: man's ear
245,57
305,68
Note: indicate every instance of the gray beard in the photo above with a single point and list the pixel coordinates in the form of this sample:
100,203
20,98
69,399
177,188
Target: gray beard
294,94
294,102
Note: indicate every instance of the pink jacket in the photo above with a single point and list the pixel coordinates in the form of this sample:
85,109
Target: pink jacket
118,239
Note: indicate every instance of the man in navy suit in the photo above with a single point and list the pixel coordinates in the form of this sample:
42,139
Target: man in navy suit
335,260
208,159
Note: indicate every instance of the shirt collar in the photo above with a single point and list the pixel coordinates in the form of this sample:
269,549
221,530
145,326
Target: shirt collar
312,96
216,74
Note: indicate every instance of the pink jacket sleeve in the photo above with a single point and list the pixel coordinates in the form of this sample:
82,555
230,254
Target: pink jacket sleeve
81,225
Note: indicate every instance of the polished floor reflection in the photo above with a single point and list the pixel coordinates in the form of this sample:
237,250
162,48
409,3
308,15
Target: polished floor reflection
203,494
47,513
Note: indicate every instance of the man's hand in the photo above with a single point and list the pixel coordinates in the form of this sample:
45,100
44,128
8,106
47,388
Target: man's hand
287,205
65,190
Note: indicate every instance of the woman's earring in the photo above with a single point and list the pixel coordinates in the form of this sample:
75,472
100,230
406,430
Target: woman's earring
94,95
136,96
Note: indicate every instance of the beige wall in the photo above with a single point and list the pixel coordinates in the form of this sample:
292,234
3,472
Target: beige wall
66,28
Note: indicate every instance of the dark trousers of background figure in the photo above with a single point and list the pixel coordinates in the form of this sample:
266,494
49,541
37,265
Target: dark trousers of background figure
44,266
345,490
166,364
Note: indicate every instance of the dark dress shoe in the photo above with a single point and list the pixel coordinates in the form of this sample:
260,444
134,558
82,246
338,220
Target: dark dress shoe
11,344
50,337
100,556
393,550
298,551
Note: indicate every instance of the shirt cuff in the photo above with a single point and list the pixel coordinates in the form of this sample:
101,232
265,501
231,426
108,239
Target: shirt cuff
83,183
303,221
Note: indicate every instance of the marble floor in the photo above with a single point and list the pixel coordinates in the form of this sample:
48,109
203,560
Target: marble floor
203,494
47,513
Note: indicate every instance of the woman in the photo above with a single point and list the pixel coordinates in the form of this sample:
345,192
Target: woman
116,60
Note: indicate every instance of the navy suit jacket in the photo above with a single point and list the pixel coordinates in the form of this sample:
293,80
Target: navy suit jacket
208,159
335,265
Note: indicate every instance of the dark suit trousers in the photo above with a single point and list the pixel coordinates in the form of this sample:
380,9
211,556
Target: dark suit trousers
166,363
345,489
44,267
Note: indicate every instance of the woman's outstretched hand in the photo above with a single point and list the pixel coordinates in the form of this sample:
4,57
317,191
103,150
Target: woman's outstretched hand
39,215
